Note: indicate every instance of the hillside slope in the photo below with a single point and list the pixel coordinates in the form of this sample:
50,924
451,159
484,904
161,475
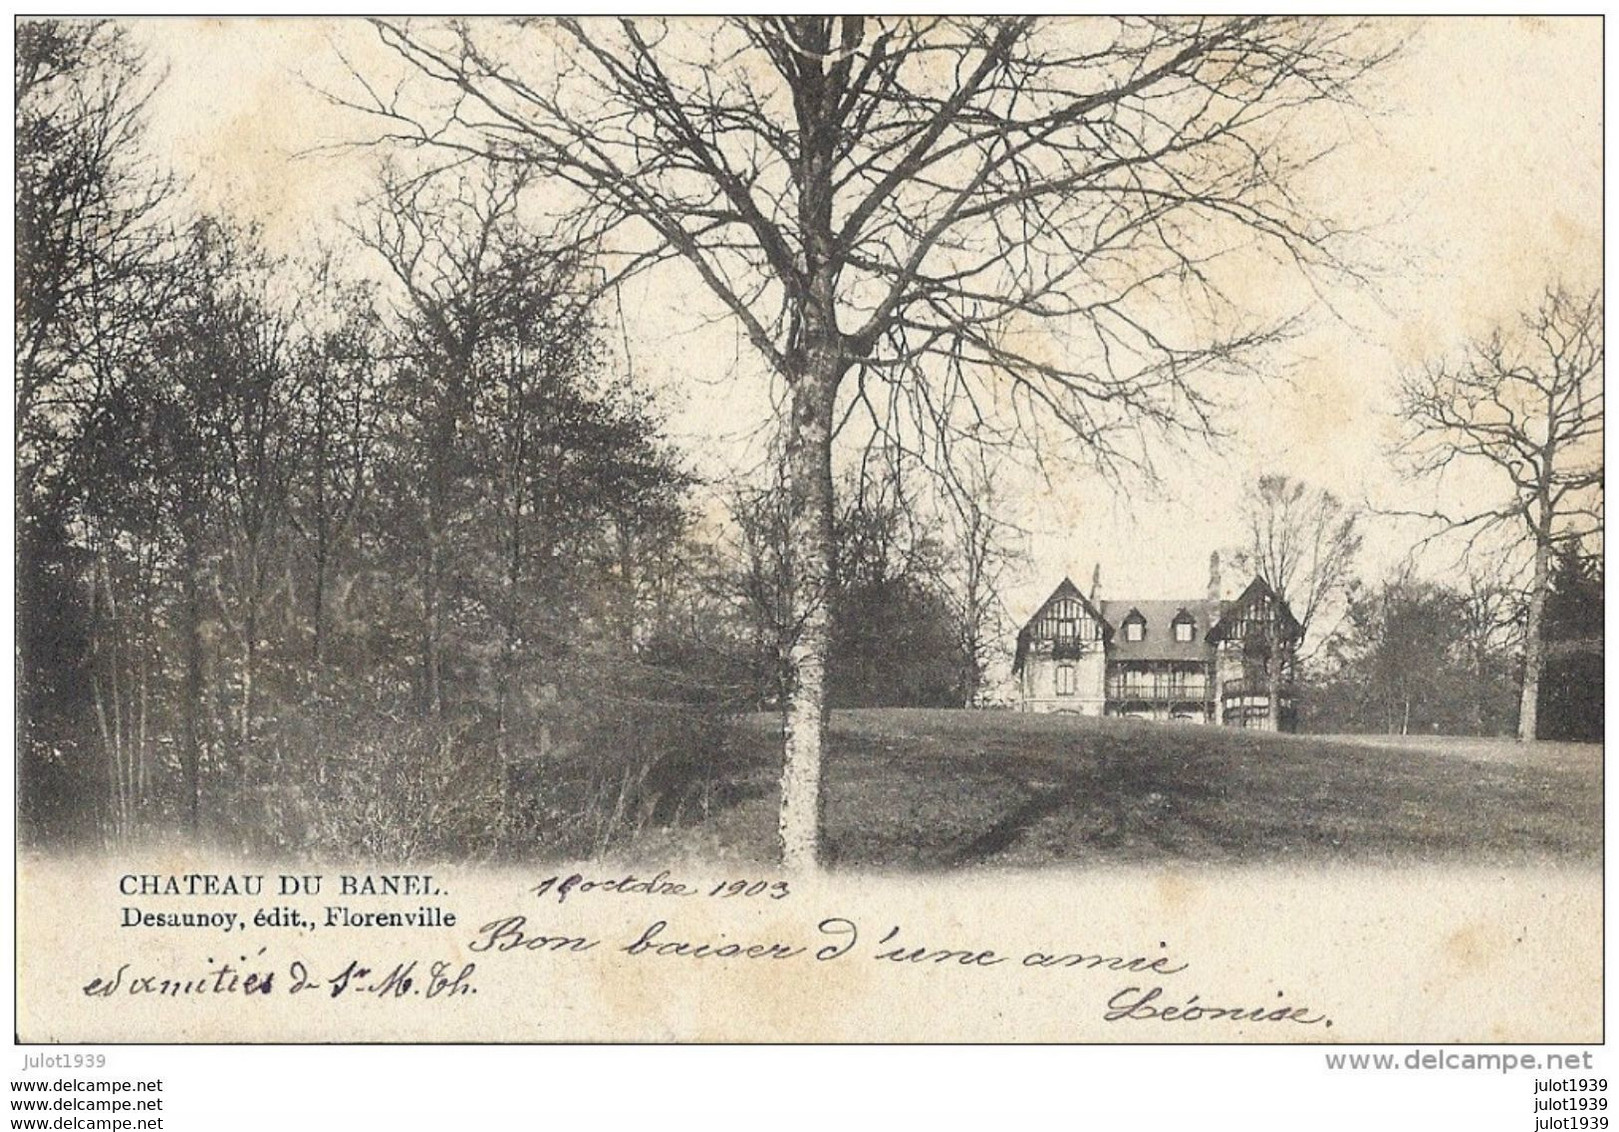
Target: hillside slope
948,789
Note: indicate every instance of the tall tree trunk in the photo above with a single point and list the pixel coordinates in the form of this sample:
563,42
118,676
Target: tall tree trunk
1534,650
510,630
817,357
120,752
318,599
626,583
1273,680
250,657
1533,647
972,606
103,613
432,625
516,479
973,674
809,486
318,603
191,739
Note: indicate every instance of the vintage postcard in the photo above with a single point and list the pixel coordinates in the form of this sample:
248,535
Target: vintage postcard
809,529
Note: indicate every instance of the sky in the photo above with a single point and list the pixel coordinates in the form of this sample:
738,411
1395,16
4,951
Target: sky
1477,169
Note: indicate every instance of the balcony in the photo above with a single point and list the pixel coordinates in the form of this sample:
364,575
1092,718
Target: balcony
1163,690
1072,649
1255,690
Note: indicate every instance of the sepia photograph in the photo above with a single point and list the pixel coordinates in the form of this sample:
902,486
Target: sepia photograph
810,529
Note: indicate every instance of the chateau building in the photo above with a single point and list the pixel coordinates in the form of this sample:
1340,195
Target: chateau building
1202,660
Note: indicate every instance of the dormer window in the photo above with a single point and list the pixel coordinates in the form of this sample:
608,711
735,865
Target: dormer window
1135,626
1184,626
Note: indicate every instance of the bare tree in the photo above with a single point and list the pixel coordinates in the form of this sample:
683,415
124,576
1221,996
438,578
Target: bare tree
91,248
446,244
1034,212
340,356
1303,542
259,460
1527,404
1491,616
982,545
220,457
93,261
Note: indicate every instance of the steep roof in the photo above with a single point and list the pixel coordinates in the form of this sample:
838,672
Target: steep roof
1257,589
1065,589
1160,642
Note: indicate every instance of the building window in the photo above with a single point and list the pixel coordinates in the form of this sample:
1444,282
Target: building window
1067,630
1185,629
1065,679
1135,627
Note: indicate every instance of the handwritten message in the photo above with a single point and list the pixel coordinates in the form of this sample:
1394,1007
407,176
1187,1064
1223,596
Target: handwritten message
837,938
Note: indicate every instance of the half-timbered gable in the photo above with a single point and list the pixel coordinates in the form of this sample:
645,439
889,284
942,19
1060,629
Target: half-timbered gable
1062,654
1256,642
1258,614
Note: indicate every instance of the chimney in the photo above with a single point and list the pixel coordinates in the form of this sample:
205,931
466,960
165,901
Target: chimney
1214,576
1096,583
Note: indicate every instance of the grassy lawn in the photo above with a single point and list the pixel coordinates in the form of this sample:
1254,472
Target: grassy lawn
941,789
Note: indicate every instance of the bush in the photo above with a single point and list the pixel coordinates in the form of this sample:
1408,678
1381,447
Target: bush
649,745
573,775
374,785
